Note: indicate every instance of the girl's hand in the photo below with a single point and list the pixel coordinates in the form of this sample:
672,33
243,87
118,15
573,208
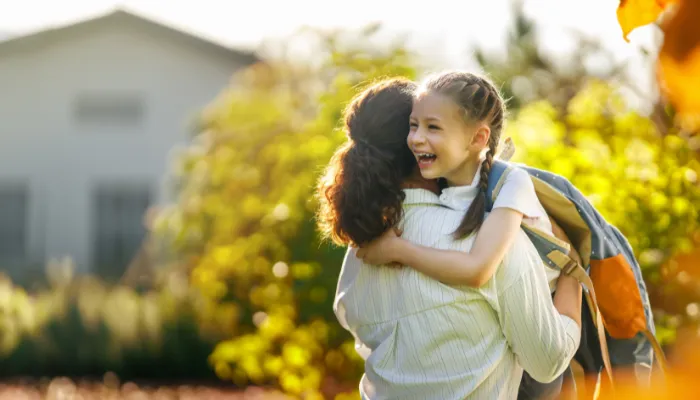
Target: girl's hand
383,250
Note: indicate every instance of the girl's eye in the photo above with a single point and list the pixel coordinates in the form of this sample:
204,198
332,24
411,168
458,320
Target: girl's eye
413,125
433,127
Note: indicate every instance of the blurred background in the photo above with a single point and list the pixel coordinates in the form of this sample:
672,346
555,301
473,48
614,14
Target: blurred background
158,161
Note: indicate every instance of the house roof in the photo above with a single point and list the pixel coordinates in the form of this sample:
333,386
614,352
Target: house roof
122,17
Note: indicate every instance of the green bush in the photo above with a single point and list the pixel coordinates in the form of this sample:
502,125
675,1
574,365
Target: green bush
245,213
84,327
643,180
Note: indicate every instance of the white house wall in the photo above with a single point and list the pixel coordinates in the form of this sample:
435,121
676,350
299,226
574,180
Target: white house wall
41,143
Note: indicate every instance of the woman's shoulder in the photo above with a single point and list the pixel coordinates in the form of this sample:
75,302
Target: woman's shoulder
420,196
521,261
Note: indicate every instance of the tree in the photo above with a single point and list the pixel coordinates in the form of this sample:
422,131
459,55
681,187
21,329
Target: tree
527,73
642,180
244,218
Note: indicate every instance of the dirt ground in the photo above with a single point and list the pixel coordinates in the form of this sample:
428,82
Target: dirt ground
112,389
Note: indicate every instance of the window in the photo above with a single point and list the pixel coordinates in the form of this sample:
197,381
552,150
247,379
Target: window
109,109
13,222
118,226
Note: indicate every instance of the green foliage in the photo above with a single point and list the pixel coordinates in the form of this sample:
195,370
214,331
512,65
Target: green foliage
642,180
82,327
245,213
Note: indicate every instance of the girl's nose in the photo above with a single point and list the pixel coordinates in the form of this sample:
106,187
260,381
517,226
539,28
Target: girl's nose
415,138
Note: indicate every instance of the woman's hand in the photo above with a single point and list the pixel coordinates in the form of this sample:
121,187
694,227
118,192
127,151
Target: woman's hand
383,250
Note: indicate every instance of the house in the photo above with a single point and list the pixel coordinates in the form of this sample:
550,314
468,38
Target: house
89,114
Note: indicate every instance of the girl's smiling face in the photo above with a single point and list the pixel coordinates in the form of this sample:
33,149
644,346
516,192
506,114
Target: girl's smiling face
443,141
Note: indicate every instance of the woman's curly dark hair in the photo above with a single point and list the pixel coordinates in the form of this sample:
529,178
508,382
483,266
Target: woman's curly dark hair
360,192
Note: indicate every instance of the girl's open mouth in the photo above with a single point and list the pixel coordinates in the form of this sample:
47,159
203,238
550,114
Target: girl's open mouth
425,159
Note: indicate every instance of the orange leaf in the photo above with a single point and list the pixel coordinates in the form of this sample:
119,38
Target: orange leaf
681,378
679,63
632,14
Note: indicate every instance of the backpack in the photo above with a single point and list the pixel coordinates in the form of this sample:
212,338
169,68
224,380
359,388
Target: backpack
616,309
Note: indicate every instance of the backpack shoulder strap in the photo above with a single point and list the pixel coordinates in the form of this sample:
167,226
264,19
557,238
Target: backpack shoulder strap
568,266
497,177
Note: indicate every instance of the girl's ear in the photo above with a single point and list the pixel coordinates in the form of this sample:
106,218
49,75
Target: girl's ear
480,140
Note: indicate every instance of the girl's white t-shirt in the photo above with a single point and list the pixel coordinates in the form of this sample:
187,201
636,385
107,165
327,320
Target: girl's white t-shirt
517,193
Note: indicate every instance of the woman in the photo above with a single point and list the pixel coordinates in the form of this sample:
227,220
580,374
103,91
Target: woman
421,339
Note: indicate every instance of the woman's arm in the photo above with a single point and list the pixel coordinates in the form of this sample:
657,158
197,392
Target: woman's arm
452,267
542,336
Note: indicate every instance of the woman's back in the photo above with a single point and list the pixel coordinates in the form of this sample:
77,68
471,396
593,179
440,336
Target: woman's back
424,339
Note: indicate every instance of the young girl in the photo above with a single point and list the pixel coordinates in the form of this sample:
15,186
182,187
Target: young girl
455,128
